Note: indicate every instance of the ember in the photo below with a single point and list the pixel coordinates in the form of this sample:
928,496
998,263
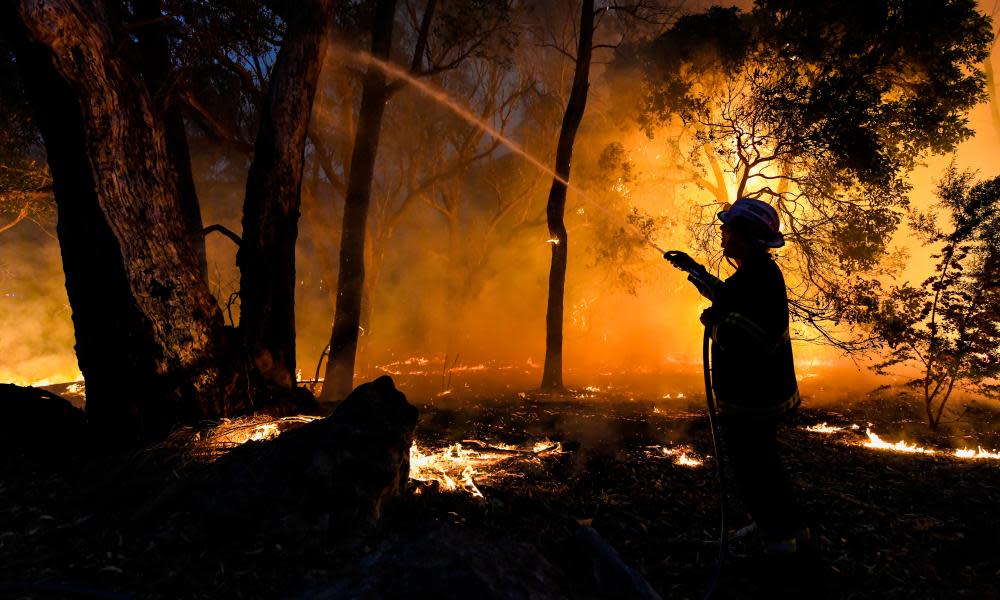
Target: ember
824,428
683,456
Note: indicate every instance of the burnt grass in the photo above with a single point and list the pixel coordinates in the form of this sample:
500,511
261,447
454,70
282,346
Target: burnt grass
885,525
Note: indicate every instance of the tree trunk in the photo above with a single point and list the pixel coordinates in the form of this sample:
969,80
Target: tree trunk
339,378
991,89
157,70
455,285
373,272
148,331
273,196
556,208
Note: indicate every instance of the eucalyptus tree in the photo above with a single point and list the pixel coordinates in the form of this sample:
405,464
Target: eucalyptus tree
150,337
821,110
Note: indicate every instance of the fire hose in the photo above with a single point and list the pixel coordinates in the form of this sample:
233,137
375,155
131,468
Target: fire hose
698,276
713,421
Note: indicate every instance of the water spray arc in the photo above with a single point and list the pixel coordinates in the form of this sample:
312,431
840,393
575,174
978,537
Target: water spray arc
441,97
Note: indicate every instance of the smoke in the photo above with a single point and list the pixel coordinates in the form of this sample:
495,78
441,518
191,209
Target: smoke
36,334
468,289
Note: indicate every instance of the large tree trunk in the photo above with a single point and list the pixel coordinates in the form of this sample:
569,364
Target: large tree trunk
375,93
157,70
556,208
274,184
148,330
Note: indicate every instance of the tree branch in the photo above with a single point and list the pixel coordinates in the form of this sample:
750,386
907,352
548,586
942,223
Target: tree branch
229,233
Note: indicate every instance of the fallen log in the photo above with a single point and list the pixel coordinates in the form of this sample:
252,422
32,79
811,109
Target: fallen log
332,475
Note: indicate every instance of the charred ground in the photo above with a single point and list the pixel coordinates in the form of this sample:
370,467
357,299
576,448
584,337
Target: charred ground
886,525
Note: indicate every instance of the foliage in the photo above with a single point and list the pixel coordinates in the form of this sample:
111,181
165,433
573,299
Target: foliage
821,109
25,185
949,325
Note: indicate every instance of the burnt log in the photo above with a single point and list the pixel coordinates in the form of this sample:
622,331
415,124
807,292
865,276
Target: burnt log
334,475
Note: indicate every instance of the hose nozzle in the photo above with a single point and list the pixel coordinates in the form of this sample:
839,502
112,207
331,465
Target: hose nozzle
697,274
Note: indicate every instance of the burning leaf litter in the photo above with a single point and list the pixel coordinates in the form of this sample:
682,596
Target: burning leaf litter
876,442
824,428
978,453
456,467
209,444
683,456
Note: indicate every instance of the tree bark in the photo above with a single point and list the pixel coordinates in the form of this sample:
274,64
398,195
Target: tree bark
273,197
148,331
157,70
339,378
555,210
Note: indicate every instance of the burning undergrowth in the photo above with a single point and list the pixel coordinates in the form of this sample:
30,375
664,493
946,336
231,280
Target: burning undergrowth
874,441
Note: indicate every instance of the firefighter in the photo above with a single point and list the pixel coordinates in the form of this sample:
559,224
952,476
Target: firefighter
753,375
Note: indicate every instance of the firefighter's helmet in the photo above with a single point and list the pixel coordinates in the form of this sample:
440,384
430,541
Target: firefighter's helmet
756,218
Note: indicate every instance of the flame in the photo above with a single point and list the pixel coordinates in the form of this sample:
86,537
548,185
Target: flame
456,467
687,461
553,241
683,456
212,443
874,441
824,428
978,453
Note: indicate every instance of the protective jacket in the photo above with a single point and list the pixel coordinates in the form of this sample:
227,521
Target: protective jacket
753,373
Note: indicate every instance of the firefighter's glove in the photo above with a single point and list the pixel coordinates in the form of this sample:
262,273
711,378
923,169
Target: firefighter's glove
711,316
683,262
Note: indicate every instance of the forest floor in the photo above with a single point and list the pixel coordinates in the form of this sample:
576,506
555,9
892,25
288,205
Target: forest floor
885,524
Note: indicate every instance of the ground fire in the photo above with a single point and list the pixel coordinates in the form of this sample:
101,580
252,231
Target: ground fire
484,298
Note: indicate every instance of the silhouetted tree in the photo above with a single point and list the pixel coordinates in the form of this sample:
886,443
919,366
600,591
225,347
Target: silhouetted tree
949,325
581,56
150,339
822,110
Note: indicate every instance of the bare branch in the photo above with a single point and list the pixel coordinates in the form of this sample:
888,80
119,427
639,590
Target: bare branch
229,233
